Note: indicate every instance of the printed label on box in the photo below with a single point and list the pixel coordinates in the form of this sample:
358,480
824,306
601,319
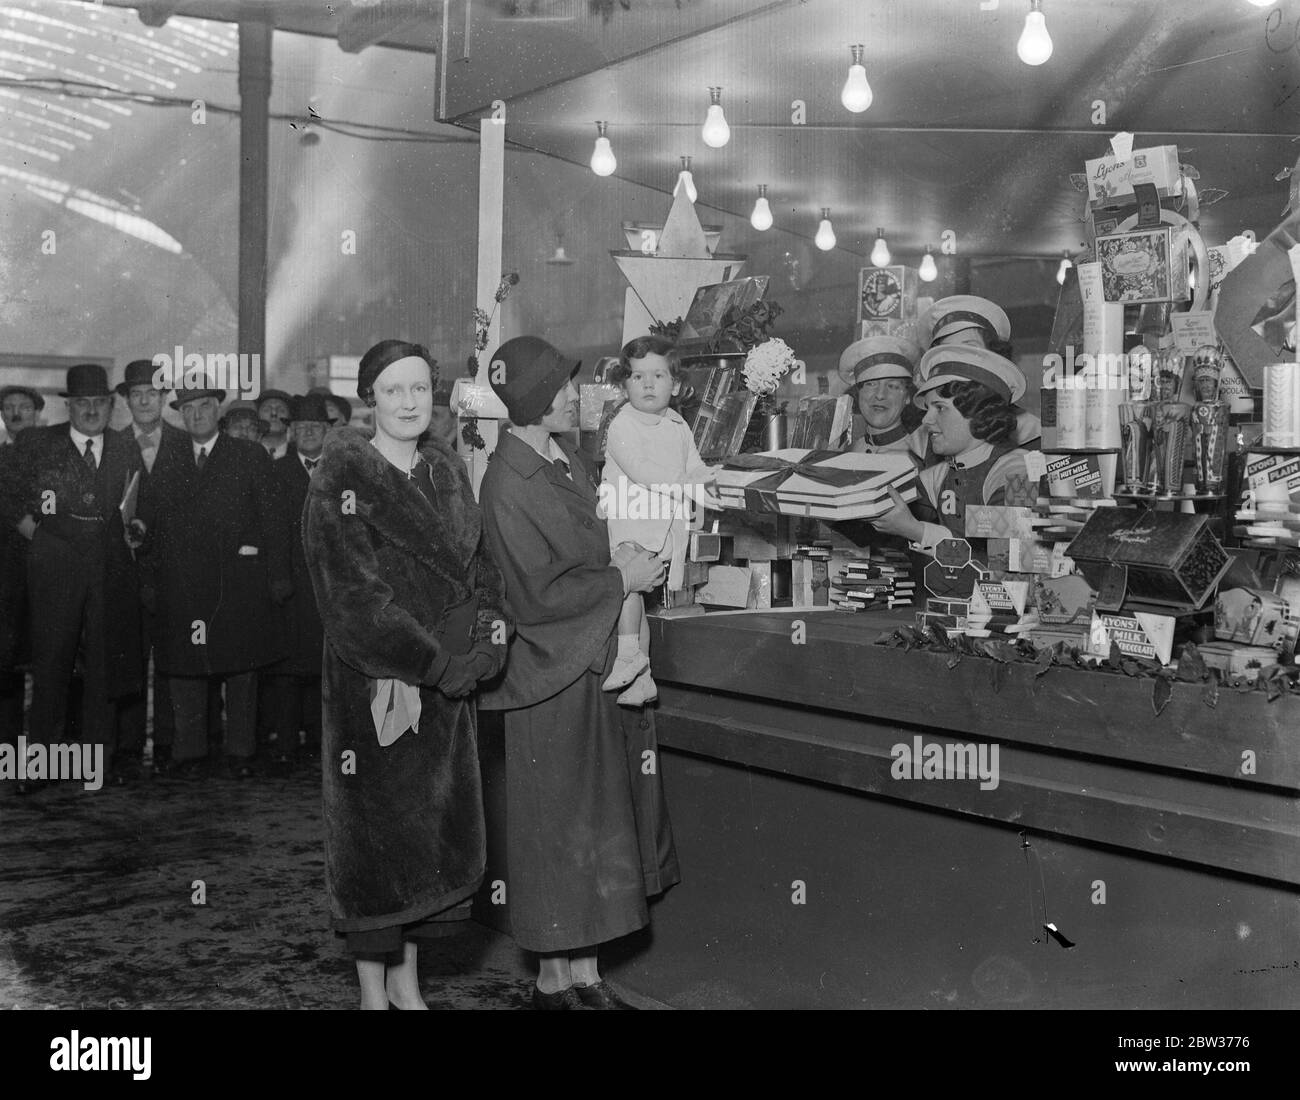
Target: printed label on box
1138,635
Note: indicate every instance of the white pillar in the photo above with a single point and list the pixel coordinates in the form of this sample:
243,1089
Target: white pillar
477,401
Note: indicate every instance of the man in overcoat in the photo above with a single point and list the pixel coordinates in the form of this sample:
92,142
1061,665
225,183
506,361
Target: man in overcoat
219,558
295,691
154,437
19,406
65,494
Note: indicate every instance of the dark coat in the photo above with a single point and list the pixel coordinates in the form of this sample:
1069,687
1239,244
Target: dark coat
302,627
49,480
13,579
172,439
587,832
404,834
194,566
553,550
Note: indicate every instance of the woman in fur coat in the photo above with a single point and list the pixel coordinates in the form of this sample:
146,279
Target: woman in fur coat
414,618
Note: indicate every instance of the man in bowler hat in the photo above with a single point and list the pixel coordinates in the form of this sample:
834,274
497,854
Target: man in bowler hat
67,496
218,558
153,436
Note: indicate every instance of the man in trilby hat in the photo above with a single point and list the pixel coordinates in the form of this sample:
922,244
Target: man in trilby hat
76,492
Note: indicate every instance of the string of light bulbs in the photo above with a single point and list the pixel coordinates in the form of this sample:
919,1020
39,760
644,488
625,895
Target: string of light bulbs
1034,47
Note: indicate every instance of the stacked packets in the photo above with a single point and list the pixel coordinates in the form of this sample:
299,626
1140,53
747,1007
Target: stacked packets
816,484
880,578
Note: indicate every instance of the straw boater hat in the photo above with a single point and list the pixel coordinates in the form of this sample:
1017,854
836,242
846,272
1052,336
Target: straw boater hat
969,363
951,315
878,357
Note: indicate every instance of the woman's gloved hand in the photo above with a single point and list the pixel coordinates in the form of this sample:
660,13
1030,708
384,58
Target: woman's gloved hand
463,672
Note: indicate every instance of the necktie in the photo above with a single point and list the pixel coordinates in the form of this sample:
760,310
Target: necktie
310,464
201,458
148,448
561,465
89,456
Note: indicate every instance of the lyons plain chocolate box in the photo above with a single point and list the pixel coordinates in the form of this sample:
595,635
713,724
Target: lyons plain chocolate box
1170,558
1145,265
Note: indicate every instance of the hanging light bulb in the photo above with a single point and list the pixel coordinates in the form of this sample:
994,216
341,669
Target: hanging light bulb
602,156
880,250
929,270
686,180
1035,45
761,218
856,95
825,238
716,131
1065,266
1263,3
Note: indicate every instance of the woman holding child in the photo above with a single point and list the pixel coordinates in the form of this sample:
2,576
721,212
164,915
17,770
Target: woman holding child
588,838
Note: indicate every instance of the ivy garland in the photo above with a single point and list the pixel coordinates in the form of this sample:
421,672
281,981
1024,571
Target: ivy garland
1273,681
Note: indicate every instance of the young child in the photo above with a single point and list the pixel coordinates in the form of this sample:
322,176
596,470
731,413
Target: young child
653,474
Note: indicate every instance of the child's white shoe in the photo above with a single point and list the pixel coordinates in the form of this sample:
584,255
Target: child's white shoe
627,668
642,691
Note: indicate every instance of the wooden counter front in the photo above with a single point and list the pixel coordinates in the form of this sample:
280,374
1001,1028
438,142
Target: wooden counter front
1082,754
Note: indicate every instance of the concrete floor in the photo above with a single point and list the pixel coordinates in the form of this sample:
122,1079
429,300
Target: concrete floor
97,904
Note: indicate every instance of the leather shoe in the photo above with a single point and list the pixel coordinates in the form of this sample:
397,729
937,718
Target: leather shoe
601,995
565,999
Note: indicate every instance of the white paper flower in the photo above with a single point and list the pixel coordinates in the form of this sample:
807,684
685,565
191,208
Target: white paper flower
766,365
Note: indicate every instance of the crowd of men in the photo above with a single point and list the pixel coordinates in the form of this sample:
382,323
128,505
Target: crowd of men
158,562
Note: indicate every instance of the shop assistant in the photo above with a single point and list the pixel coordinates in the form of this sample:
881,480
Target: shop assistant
969,395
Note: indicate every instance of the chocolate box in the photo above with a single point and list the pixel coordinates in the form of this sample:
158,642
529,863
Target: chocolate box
1140,634
1245,661
1145,265
1252,616
1172,559
1111,178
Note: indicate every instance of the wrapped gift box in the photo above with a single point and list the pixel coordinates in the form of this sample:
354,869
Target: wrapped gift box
1145,265
817,484
1170,558
1111,178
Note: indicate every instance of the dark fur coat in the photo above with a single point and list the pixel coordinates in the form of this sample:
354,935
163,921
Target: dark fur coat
404,831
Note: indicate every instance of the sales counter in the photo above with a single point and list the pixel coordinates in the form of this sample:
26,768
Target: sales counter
820,869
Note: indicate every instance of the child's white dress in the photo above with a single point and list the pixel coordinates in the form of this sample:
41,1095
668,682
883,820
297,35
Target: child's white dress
653,478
